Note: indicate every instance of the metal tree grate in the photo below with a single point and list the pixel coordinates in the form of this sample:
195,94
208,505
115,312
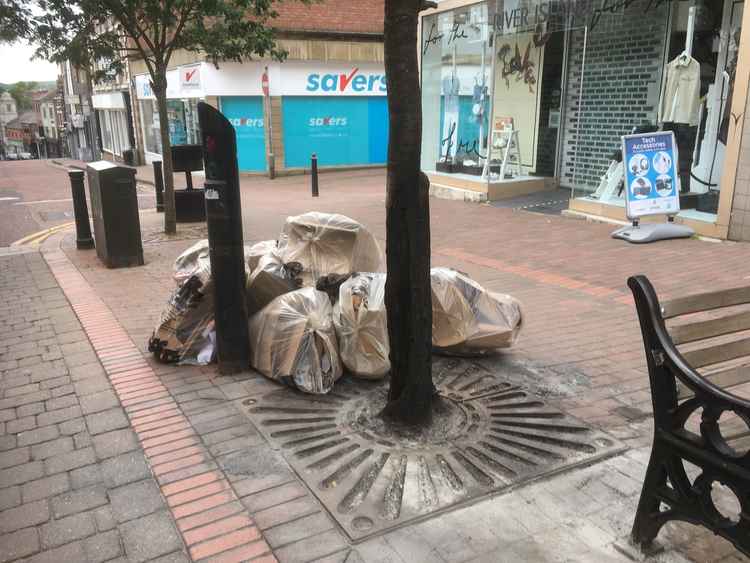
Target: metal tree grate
489,434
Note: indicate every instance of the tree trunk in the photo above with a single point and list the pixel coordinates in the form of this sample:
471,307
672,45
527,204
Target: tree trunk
159,86
407,291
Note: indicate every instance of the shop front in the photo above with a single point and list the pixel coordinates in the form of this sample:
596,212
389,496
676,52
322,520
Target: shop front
493,86
113,120
337,111
519,96
184,91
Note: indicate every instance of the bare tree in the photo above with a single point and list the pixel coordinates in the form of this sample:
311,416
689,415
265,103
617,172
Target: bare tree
407,290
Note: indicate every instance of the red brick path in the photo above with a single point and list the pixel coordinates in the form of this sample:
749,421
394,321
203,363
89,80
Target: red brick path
213,525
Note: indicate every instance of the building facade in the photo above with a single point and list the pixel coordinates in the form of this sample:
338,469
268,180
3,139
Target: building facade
8,112
23,134
43,104
79,118
327,98
520,96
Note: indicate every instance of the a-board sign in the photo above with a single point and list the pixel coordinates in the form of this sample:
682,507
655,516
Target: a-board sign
651,179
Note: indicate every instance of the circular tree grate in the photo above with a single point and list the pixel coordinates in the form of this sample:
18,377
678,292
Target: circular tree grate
487,434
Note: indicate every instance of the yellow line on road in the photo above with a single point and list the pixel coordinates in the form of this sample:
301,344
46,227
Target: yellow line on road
36,238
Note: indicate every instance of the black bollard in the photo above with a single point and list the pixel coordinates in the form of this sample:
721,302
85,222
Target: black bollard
158,186
81,210
225,243
315,175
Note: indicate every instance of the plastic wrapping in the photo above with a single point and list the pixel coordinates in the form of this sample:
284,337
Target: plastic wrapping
194,260
468,319
197,259
327,243
185,333
292,340
254,253
269,279
359,317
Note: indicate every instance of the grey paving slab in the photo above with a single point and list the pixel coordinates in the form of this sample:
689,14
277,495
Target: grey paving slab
125,468
149,537
78,501
114,443
66,530
135,500
18,544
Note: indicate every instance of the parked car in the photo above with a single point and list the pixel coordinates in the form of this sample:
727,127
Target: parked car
12,156
25,155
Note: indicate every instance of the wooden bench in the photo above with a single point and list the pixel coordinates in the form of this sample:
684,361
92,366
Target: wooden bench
701,423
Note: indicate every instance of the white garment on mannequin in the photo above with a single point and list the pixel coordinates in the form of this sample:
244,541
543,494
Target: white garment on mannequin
680,95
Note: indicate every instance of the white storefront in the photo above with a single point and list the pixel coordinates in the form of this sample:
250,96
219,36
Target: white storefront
336,109
112,114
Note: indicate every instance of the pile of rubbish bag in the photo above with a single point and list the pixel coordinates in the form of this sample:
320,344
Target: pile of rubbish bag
316,305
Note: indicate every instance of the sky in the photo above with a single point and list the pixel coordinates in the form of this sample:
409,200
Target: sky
16,65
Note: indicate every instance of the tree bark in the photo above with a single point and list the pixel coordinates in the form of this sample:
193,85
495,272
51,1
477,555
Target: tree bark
159,86
407,291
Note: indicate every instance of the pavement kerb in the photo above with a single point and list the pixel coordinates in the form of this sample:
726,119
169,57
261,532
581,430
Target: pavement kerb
239,539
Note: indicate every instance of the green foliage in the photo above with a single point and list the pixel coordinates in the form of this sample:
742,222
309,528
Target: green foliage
97,34
15,20
21,92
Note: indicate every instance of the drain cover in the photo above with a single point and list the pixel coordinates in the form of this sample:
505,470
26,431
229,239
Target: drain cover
487,435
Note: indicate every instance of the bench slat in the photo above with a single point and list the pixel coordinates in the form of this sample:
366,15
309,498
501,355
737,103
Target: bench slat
724,378
718,353
705,301
690,332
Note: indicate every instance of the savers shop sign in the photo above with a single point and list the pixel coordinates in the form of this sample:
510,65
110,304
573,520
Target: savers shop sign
333,80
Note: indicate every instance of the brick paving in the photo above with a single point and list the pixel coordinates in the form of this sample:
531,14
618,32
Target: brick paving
150,457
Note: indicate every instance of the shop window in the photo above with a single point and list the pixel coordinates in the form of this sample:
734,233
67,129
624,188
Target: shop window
681,83
456,84
106,129
340,130
245,113
150,119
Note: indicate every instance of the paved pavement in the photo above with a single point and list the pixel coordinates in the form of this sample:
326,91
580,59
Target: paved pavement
164,451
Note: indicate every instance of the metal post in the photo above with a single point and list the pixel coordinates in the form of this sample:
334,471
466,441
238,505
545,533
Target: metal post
314,175
225,242
158,186
81,211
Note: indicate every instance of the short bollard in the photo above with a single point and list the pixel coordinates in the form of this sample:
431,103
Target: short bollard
81,210
314,175
158,186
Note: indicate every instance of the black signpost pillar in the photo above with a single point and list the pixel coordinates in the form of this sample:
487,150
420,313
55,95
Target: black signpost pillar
80,210
158,186
314,175
225,242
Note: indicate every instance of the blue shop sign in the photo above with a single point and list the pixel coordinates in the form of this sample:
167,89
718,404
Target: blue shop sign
651,180
245,113
345,130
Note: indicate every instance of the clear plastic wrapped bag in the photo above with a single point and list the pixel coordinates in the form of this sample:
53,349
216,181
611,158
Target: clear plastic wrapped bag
185,333
269,279
254,253
359,317
194,260
326,243
197,259
292,340
467,319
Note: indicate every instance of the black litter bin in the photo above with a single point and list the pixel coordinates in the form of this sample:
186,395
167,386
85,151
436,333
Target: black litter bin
189,203
114,207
